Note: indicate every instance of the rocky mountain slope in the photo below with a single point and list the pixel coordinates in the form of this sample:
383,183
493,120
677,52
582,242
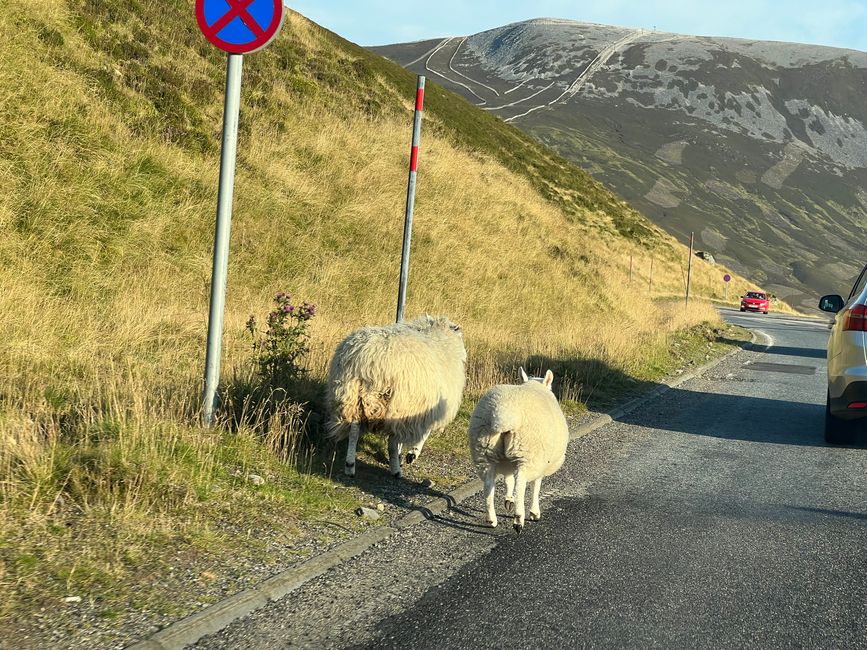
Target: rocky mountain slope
758,147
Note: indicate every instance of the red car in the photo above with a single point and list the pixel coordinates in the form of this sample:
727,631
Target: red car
755,301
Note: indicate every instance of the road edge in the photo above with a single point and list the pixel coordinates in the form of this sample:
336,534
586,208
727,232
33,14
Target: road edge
218,616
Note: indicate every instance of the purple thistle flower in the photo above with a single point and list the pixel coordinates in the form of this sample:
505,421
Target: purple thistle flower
288,309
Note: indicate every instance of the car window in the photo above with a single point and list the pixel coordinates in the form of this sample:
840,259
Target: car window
858,287
756,294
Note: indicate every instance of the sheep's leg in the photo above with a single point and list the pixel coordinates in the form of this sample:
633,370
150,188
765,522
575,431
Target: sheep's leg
351,447
520,491
535,508
415,451
510,492
394,448
490,483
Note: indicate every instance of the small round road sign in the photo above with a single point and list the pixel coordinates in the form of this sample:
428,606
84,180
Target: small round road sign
239,26
727,278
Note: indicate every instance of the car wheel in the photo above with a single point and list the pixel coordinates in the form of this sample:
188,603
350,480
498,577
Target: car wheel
837,431
764,312
742,309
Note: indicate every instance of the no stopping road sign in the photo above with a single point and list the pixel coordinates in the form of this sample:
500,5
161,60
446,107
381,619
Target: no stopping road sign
240,26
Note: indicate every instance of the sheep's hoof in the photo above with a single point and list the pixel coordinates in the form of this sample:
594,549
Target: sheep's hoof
350,469
510,506
518,528
535,516
397,474
492,523
410,459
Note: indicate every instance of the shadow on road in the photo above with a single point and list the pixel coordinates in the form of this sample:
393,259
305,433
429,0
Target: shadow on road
738,417
808,353
831,513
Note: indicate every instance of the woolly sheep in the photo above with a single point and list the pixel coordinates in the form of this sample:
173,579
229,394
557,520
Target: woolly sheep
519,432
404,380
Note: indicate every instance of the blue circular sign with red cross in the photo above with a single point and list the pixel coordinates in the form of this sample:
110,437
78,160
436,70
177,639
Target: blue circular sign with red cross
240,26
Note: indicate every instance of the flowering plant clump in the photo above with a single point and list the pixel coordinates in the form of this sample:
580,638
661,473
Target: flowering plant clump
279,350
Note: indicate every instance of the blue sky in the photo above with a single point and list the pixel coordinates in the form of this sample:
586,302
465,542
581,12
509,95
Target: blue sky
839,23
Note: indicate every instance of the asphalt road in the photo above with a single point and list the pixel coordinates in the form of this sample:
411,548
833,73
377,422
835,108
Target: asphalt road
715,517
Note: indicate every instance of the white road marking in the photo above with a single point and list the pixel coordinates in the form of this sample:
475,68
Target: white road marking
520,101
768,337
428,53
452,68
439,74
518,86
592,68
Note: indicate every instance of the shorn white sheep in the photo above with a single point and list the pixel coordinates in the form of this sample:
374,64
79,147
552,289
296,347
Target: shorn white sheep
519,432
404,380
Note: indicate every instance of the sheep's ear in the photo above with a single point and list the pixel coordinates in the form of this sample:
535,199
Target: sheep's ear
549,379
524,377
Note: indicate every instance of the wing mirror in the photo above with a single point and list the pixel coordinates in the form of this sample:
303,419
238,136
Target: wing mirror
831,304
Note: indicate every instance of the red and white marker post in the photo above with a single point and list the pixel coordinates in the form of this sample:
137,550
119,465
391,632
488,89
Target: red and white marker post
410,197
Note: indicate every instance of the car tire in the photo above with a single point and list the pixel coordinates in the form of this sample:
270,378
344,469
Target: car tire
837,431
742,309
764,312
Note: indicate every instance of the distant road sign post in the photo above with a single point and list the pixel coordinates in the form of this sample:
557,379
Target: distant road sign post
727,278
238,27
689,265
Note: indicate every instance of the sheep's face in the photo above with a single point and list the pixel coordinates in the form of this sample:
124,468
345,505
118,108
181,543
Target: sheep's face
547,381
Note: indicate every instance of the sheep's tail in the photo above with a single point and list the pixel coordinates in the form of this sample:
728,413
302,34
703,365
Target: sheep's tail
508,444
492,446
352,403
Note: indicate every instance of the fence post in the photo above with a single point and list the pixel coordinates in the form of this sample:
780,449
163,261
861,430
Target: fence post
689,267
410,198
650,288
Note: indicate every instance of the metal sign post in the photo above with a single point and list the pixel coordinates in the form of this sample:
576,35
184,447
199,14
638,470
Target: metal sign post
238,27
410,198
689,267
727,278
219,276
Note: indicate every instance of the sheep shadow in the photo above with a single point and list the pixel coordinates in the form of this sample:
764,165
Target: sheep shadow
373,475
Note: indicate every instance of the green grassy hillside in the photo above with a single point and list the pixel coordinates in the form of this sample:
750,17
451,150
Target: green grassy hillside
110,117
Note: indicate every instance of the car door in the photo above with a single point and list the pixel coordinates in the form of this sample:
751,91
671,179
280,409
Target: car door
837,344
